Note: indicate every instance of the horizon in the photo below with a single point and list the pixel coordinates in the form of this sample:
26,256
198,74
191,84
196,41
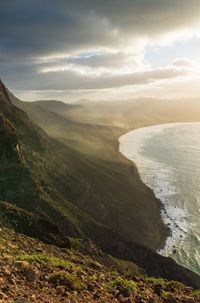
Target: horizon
100,151
100,51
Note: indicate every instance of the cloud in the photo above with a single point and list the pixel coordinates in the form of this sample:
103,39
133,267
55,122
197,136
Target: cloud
107,59
184,62
72,80
88,44
96,63
34,27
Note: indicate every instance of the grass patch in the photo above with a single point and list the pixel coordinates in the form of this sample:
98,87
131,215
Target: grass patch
77,243
122,284
44,259
70,281
196,292
174,285
166,286
155,280
165,294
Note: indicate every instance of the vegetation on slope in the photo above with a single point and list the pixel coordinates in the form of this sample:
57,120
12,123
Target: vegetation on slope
32,271
85,195
114,195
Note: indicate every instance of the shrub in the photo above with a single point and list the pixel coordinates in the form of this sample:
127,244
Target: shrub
44,259
122,284
153,280
71,281
174,285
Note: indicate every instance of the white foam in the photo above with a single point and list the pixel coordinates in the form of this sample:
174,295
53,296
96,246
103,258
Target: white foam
158,177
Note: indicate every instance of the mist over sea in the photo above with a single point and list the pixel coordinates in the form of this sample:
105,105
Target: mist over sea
168,160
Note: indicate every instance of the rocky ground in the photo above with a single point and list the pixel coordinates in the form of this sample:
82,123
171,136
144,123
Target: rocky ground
31,271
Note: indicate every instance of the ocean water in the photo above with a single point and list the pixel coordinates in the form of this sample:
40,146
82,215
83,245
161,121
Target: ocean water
168,160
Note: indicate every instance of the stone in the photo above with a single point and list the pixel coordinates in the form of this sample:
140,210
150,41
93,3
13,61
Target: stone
7,256
6,271
21,300
96,296
158,289
22,264
12,246
32,275
171,299
124,293
95,265
2,296
60,290
188,300
125,300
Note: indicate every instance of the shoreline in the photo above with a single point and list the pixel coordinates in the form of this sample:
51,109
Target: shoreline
173,217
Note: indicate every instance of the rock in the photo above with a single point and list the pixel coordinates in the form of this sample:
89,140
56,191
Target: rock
124,292
12,280
154,299
21,300
2,296
96,296
188,289
22,264
95,265
60,290
140,300
101,277
125,300
32,275
158,289
7,256
170,299
12,246
6,271
188,300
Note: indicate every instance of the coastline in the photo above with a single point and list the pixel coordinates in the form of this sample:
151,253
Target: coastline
161,207
173,217
166,232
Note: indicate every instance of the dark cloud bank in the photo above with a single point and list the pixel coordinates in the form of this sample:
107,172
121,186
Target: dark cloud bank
31,29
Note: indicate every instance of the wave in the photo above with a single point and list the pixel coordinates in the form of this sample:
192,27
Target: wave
160,154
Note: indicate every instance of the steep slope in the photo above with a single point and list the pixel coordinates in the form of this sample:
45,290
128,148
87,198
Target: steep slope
34,171
32,271
113,195
27,161
52,175
31,225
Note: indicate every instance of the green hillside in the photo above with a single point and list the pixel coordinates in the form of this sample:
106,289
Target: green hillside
63,192
115,195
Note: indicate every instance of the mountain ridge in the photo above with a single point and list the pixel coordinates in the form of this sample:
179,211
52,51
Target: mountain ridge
36,184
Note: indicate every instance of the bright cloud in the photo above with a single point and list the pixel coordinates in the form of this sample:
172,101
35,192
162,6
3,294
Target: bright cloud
89,48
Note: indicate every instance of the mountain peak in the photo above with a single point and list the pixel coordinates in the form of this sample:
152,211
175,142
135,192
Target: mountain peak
4,95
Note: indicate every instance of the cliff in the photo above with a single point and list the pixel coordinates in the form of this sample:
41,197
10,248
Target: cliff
48,187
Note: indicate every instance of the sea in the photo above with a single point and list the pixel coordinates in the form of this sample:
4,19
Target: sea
167,157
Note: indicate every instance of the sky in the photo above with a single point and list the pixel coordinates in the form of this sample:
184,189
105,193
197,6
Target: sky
100,50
